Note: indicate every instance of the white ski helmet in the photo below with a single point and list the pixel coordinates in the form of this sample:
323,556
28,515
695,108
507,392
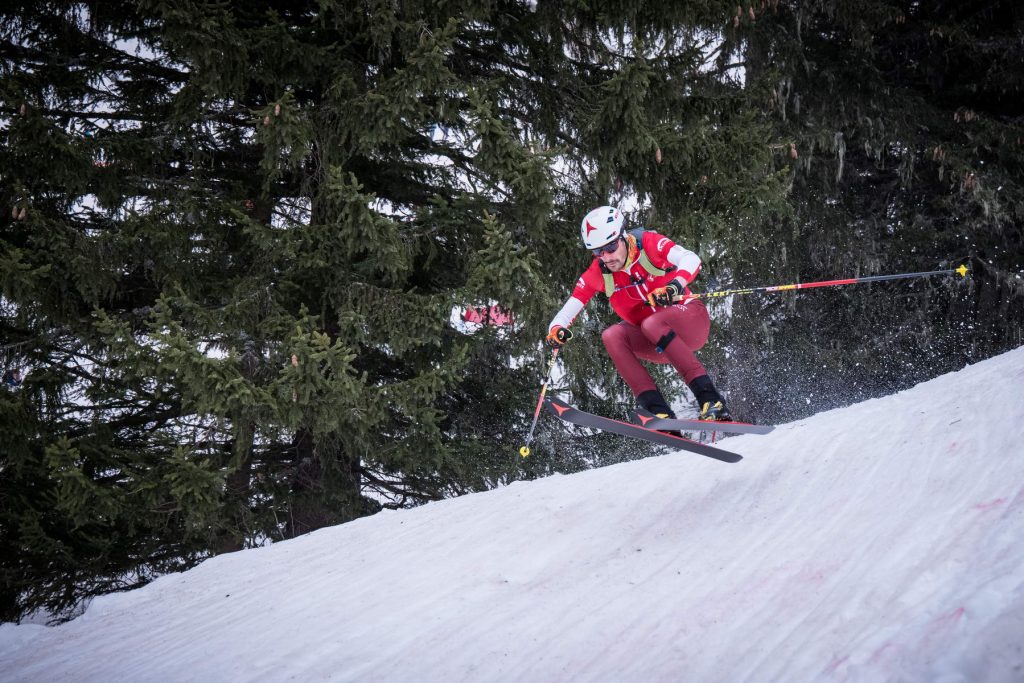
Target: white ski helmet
602,226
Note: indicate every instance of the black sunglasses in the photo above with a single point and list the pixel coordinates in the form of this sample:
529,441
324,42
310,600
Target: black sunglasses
608,248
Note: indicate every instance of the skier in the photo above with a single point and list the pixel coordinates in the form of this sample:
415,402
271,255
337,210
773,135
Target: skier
643,273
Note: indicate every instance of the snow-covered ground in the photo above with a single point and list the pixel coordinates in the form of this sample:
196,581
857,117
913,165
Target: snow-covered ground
880,542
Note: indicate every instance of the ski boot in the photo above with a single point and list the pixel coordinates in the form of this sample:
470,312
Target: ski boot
709,401
653,402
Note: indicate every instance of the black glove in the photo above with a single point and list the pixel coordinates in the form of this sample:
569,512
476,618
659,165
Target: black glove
665,296
558,336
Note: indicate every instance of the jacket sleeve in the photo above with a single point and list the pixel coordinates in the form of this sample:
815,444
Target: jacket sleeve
581,295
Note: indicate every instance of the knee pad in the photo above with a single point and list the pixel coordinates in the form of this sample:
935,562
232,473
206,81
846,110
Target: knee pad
664,341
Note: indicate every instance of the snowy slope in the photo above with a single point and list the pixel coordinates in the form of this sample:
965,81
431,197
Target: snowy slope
884,541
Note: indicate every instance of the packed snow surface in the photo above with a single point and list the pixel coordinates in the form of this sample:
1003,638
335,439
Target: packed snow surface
879,542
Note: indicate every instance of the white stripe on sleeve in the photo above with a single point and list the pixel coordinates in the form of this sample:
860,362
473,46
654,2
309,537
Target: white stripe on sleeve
568,313
684,260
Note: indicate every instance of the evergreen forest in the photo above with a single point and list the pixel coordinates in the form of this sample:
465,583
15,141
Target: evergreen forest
239,242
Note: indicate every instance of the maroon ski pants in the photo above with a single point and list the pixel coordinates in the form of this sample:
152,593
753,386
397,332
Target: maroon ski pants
679,329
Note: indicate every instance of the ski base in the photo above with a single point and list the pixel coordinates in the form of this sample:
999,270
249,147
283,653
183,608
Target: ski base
572,415
651,421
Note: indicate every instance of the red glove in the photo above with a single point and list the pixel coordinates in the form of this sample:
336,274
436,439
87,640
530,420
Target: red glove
558,336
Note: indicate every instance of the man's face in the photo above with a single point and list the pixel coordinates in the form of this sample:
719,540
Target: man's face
615,260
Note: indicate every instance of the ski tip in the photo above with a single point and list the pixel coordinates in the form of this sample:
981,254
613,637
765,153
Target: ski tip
557,406
723,426
524,451
962,270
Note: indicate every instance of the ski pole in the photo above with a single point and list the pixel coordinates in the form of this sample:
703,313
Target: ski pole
525,450
962,271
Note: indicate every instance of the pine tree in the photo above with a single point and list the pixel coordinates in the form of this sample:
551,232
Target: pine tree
239,232
900,124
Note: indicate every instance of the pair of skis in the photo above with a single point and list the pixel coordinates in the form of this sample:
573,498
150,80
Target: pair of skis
651,429
650,426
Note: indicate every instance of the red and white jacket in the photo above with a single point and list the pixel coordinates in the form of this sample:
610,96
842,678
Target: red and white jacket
633,283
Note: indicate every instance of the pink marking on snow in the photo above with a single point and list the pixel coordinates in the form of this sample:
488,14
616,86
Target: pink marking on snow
941,626
949,619
990,504
836,506
885,654
816,573
834,665
1018,499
